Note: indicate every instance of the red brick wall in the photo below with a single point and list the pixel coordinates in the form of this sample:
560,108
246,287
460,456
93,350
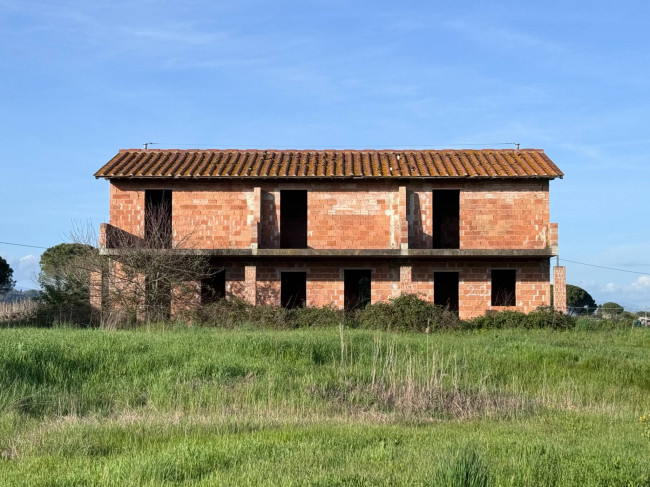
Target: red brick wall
339,215
213,217
559,288
204,215
493,214
508,214
325,281
127,207
353,216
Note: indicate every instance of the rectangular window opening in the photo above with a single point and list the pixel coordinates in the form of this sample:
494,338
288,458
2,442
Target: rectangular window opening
293,289
445,290
158,218
446,219
293,219
213,287
503,287
356,289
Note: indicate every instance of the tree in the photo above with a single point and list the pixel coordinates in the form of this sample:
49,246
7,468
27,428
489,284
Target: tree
579,301
145,277
610,310
62,278
6,277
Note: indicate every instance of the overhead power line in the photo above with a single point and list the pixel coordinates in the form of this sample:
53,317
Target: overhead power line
23,245
604,267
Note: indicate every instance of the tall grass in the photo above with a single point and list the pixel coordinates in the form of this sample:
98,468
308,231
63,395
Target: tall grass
333,406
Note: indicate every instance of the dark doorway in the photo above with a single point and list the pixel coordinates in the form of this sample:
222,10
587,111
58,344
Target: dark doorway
356,289
446,219
293,289
445,290
157,298
158,218
213,287
293,219
503,287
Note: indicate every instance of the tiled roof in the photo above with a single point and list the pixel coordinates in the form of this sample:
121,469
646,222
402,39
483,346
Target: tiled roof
230,163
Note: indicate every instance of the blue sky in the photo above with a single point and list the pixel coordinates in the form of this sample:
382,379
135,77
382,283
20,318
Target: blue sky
81,80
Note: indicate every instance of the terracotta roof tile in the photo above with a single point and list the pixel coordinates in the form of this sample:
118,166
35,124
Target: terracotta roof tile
230,163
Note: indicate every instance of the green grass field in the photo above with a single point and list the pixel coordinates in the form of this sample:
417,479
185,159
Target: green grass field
192,406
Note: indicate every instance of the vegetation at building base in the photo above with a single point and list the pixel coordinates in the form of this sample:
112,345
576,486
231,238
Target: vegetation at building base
321,406
406,313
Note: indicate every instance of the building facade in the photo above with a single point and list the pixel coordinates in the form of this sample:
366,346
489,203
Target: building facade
468,229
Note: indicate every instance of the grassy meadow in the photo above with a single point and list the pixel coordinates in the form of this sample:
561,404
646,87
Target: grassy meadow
323,407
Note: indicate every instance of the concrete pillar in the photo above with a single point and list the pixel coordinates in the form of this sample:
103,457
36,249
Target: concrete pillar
257,215
405,279
559,288
403,222
250,284
99,292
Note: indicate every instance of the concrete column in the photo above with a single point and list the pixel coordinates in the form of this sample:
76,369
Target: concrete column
403,222
257,215
250,284
559,288
552,238
405,279
99,292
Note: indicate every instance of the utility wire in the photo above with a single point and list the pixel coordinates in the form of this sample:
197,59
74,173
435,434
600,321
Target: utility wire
603,267
23,245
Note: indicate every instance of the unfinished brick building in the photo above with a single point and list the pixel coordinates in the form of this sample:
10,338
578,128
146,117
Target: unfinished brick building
468,229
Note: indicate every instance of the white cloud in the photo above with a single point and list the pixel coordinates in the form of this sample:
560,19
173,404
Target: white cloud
642,284
633,295
25,269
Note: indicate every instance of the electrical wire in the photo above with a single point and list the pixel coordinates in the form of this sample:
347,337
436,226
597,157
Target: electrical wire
23,245
604,267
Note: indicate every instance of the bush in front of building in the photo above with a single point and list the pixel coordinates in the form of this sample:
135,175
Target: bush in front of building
404,313
540,318
407,312
237,313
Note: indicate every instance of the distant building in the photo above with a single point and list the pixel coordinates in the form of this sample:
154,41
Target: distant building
468,229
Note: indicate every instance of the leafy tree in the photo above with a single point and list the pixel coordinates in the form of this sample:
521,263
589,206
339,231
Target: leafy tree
579,301
610,310
63,278
6,277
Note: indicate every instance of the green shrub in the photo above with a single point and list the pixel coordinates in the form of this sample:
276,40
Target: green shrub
407,312
592,323
540,318
235,313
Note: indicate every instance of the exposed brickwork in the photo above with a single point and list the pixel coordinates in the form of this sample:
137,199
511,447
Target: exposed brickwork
127,207
559,288
250,285
214,218
353,216
325,286
384,214
512,215
406,280
369,215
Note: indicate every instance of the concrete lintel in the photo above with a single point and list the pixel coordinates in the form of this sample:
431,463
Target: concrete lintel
411,253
